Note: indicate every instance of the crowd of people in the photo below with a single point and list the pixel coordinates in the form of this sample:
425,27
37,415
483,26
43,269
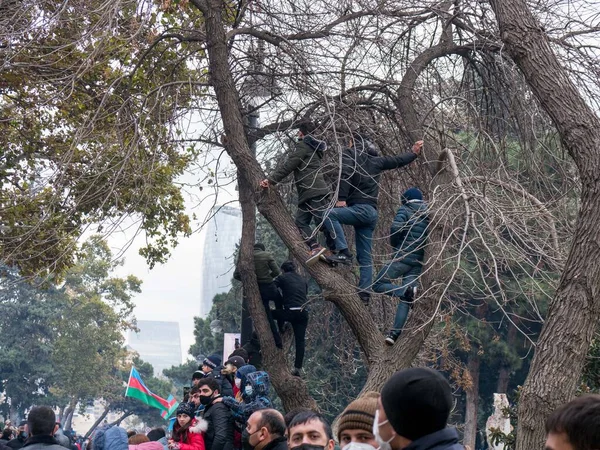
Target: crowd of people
410,413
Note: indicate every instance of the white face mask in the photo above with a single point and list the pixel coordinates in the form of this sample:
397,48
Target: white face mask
383,445
238,383
358,446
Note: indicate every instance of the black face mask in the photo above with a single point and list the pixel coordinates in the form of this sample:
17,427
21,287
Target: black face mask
308,447
23,434
246,445
206,399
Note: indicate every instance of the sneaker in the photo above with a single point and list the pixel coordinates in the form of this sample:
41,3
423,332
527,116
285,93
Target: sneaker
365,297
315,254
410,295
340,258
296,372
392,337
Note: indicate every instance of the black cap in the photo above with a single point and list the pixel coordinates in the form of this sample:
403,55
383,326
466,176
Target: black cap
417,402
237,361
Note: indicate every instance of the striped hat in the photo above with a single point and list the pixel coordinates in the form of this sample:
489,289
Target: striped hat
360,414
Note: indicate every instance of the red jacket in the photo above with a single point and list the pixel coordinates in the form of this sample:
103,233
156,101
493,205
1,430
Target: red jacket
195,440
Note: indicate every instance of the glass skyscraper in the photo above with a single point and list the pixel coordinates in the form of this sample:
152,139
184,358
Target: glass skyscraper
223,233
157,343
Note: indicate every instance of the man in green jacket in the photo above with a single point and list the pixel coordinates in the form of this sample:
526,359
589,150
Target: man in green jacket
313,192
266,271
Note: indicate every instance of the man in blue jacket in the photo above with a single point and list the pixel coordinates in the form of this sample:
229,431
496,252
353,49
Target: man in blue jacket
357,203
408,237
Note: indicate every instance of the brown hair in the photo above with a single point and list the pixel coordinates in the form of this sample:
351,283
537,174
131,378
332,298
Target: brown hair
138,439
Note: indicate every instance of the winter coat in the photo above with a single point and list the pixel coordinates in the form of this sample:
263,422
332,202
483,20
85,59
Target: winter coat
293,289
152,445
164,442
409,231
110,438
194,440
219,435
16,443
359,183
258,400
305,163
279,443
62,439
446,439
264,265
42,442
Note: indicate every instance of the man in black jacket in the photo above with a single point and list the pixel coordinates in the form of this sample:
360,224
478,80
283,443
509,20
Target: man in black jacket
219,435
265,430
357,202
293,289
211,366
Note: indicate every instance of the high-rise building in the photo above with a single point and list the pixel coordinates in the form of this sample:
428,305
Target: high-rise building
157,343
223,232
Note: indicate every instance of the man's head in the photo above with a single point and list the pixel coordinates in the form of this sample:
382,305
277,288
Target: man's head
356,422
233,364
41,421
259,246
22,427
411,194
263,427
288,266
306,128
195,395
210,363
310,428
156,434
414,403
575,425
197,376
209,389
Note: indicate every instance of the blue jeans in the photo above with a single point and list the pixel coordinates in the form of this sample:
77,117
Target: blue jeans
383,285
364,219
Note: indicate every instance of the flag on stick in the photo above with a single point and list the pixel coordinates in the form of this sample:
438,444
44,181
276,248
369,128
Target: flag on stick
173,404
137,389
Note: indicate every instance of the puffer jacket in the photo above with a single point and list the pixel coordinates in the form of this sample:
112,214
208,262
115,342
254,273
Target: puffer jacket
250,403
409,231
194,439
152,445
361,169
306,164
110,438
219,435
446,439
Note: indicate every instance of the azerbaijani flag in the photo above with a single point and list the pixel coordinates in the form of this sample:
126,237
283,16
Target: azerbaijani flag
173,404
137,389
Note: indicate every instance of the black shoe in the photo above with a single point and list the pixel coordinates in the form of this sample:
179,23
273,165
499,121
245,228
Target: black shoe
410,294
392,337
365,297
296,372
340,258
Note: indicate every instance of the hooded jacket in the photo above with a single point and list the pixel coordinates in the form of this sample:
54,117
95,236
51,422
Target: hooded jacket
361,168
306,164
446,439
250,403
409,231
264,265
110,438
194,439
293,289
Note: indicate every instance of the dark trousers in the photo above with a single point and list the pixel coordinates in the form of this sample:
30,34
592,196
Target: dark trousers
299,322
270,293
310,211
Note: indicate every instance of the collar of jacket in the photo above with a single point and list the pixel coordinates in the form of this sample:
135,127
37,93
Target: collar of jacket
443,439
41,439
274,443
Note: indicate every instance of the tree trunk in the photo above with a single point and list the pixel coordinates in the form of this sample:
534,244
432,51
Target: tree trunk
98,421
472,401
124,416
574,311
69,411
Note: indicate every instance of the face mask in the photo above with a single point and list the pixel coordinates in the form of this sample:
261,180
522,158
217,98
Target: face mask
23,434
358,446
238,383
308,447
383,445
246,445
205,399
248,390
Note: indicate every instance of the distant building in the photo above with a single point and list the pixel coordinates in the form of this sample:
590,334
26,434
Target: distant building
157,343
223,233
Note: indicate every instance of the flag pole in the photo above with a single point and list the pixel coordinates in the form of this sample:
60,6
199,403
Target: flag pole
129,381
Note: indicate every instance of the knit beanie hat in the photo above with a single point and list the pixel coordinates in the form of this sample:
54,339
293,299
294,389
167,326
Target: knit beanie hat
212,361
237,361
359,414
240,352
417,402
198,375
186,408
411,194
